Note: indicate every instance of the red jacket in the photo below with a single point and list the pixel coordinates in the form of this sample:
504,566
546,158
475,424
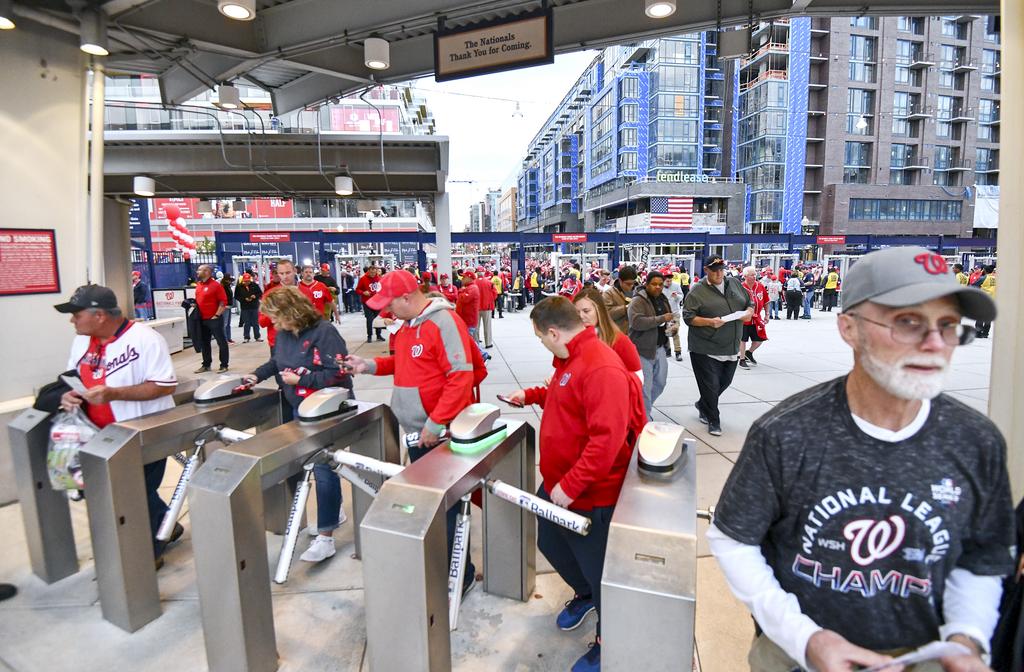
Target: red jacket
367,284
209,296
587,433
451,293
433,369
468,305
487,293
265,321
627,352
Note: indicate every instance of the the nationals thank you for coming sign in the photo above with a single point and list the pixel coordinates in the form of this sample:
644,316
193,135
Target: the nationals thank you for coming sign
493,46
28,262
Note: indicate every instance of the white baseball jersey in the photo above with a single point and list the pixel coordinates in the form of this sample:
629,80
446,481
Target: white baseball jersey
136,355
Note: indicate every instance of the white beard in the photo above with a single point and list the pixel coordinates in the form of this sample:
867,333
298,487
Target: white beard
905,384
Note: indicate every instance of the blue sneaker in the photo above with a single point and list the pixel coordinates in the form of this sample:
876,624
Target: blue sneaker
575,611
589,661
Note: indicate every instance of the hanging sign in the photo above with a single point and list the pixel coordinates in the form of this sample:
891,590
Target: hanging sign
568,237
831,240
270,237
494,46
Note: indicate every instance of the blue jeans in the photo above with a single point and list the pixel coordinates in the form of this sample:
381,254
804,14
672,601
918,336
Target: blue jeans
773,309
655,377
227,323
808,300
415,453
328,498
472,337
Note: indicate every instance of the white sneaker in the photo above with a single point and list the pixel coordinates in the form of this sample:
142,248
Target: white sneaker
319,550
312,530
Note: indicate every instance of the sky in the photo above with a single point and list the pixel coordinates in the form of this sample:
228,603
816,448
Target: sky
487,143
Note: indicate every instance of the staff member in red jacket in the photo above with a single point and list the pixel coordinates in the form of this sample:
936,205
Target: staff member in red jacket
450,291
367,288
586,442
432,366
488,296
212,301
317,292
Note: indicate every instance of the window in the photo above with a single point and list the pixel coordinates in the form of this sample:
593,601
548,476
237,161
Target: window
678,51
627,161
903,23
869,22
670,77
681,156
987,111
856,175
900,127
627,137
630,112
603,105
990,35
674,130
987,133
944,107
862,48
989,61
862,72
988,83
946,79
901,177
857,154
629,87
902,156
943,157
904,209
860,101
948,28
984,159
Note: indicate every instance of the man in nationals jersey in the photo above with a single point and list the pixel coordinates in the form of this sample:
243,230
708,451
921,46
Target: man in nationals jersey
127,373
317,292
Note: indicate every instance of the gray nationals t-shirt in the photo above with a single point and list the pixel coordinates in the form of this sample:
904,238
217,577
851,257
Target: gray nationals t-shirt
865,532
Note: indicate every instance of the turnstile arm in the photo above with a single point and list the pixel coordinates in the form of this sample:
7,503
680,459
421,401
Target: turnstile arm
291,533
353,477
380,467
541,507
457,570
178,498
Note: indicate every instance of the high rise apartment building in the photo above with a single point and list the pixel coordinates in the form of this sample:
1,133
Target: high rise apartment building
868,125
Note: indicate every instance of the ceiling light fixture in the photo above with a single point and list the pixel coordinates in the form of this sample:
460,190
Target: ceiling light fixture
93,25
659,9
144,186
377,53
228,98
6,15
343,185
240,10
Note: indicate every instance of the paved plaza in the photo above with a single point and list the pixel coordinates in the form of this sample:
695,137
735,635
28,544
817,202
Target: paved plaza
319,612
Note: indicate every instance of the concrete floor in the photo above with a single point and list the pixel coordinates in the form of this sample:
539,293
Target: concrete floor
318,613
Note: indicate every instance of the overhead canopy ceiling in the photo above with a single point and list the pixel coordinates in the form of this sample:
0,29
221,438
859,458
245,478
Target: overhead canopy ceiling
305,51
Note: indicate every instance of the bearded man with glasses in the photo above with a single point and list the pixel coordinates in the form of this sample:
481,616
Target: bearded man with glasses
871,515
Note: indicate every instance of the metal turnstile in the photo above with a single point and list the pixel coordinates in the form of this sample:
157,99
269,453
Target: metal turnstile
227,512
649,586
112,464
405,569
45,512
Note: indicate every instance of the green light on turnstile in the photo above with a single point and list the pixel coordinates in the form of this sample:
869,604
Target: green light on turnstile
481,444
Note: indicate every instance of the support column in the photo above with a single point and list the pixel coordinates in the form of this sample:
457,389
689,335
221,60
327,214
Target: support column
94,270
1006,397
443,227
116,251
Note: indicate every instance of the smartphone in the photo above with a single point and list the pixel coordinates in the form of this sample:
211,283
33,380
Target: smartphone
510,401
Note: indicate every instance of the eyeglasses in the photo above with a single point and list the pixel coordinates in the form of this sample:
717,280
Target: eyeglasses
912,330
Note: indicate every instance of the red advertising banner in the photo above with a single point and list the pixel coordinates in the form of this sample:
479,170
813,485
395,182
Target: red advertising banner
188,207
267,208
831,240
360,119
568,237
28,262
282,237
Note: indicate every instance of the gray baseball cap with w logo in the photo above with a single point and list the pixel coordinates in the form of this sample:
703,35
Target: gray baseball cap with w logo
898,277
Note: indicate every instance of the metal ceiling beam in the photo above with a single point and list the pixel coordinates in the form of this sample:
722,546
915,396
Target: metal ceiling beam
181,83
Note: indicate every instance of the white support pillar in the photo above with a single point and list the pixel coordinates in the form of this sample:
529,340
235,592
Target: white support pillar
443,227
94,270
1006,396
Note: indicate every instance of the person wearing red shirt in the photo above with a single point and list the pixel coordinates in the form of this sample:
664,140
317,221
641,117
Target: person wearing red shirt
593,414
759,297
488,295
432,366
317,292
212,301
590,306
571,286
285,276
450,291
367,288
468,308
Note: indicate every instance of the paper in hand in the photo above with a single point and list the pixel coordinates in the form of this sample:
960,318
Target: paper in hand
738,315
930,651
395,326
74,383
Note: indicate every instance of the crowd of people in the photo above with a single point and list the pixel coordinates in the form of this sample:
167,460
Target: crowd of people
895,531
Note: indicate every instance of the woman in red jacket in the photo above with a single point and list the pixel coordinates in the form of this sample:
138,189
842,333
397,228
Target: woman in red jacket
468,307
590,305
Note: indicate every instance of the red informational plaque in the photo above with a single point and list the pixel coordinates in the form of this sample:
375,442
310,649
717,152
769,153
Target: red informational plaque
28,262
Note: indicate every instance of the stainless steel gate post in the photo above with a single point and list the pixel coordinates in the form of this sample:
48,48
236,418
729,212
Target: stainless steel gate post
118,512
44,511
648,591
404,540
226,504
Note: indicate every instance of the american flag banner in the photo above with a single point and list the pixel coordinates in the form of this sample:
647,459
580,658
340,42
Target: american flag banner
671,212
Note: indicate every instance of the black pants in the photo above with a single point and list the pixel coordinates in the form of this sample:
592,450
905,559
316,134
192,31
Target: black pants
153,473
213,329
498,303
538,295
713,378
371,315
250,322
829,299
521,299
578,560
415,453
794,301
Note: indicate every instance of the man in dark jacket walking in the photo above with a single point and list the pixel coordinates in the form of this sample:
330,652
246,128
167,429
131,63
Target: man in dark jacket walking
714,342
248,295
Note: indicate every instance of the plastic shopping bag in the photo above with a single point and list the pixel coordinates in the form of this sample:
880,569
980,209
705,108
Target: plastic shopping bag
69,432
